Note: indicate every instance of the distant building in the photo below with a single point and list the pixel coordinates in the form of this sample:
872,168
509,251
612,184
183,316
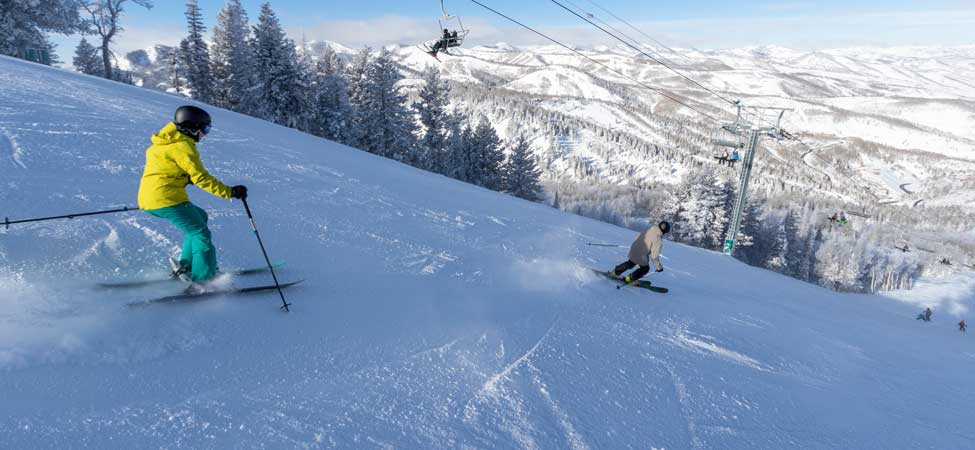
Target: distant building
38,53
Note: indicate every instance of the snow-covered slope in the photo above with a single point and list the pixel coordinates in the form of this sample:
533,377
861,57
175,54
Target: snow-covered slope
434,314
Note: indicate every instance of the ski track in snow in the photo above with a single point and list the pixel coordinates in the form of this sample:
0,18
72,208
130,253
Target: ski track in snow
9,145
490,387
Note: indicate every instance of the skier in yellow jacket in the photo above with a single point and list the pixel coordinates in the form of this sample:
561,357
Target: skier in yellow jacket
172,162
645,249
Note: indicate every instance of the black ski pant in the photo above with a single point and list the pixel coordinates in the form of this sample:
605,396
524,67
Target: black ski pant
627,265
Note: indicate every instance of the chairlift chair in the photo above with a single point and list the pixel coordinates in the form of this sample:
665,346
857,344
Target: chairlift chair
453,33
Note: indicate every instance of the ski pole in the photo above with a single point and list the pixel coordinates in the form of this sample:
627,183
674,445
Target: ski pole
606,245
7,222
269,265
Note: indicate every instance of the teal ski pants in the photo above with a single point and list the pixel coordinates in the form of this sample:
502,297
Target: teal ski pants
199,254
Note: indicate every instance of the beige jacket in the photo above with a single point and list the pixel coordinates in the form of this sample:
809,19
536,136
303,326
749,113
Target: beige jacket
649,243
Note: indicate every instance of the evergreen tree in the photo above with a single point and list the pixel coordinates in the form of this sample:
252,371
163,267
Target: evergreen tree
195,55
752,244
23,23
486,157
282,88
521,174
384,125
175,71
86,58
432,109
232,60
795,245
358,98
52,52
332,112
459,140
698,207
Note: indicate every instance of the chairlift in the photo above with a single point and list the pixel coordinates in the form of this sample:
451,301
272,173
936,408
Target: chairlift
453,33
730,137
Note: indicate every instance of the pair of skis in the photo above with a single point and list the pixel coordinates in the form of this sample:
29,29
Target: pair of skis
643,284
196,296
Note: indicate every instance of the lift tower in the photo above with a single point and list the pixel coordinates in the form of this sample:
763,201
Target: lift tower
748,132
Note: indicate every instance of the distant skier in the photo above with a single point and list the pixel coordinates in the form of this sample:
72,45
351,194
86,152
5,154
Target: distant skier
962,326
172,162
842,218
925,316
645,248
734,158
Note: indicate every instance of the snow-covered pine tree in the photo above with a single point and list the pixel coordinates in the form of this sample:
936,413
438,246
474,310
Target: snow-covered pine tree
459,141
232,60
24,22
700,210
51,48
795,245
751,244
431,106
486,157
86,58
383,123
357,83
521,173
195,55
282,88
332,112
175,71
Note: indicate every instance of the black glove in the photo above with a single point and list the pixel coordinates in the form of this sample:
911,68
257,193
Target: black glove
239,192
660,270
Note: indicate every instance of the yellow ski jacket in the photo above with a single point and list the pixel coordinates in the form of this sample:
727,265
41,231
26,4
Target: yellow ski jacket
172,162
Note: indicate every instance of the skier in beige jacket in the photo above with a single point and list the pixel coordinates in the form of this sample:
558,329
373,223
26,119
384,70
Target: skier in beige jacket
645,249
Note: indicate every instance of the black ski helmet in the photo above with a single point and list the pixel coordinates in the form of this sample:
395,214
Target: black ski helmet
191,121
664,226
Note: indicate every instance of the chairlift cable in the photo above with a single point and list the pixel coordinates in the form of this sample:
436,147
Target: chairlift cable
618,31
658,61
607,67
663,61
661,44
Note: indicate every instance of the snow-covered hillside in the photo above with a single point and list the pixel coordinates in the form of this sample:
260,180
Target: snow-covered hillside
907,108
434,314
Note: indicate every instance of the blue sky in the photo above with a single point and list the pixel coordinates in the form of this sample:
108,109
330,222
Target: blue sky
698,23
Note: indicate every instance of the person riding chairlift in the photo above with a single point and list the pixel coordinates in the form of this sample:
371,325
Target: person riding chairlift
734,158
723,159
444,43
